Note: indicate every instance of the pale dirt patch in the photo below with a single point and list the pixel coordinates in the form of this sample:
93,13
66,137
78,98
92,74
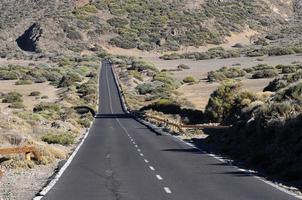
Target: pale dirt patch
193,4
4,62
199,94
199,68
25,90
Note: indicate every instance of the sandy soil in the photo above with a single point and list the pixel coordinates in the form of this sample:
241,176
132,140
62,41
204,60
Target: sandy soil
25,90
4,62
200,68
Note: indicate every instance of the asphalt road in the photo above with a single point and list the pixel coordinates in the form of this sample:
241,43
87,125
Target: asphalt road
122,159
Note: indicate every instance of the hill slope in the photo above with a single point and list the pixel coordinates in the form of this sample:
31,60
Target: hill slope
75,26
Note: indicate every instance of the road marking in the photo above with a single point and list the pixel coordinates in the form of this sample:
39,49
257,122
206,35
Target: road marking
136,146
159,177
138,150
167,190
152,168
146,161
141,154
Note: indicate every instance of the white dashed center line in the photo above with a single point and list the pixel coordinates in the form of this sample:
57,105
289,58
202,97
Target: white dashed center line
146,161
141,154
152,168
159,177
167,190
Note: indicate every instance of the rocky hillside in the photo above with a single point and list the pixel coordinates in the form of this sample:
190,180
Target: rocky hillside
67,26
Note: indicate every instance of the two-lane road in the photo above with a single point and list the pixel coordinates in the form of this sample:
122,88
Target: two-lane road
122,159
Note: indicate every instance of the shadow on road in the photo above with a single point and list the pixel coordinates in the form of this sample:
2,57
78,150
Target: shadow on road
113,116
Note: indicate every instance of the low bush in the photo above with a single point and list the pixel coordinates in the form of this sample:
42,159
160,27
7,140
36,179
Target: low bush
267,73
9,75
35,93
172,56
12,97
279,51
147,88
24,82
69,79
183,66
17,105
62,139
118,22
46,107
189,79
224,102
225,73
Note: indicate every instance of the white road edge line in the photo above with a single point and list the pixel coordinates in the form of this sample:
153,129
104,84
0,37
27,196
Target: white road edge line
274,185
52,183
167,190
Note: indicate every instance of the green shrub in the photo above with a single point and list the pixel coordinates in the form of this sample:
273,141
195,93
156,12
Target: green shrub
118,22
17,105
284,81
136,75
225,73
24,82
256,53
9,75
288,69
43,106
62,139
12,97
85,122
70,79
89,8
221,101
173,56
189,79
262,67
73,34
183,66
140,65
35,93
267,73
279,51
146,88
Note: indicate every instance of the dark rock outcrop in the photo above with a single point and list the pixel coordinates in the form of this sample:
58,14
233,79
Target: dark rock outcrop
28,41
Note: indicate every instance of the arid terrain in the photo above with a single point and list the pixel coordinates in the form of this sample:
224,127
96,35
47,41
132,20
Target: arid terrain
196,61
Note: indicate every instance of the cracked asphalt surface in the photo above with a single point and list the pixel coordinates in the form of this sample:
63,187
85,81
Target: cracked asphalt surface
121,159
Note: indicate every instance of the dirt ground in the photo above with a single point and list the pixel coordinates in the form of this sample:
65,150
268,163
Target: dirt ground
199,68
199,94
25,90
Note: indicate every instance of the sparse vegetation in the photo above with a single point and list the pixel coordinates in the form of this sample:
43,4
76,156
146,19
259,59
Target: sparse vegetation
189,79
12,97
63,139
225,73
